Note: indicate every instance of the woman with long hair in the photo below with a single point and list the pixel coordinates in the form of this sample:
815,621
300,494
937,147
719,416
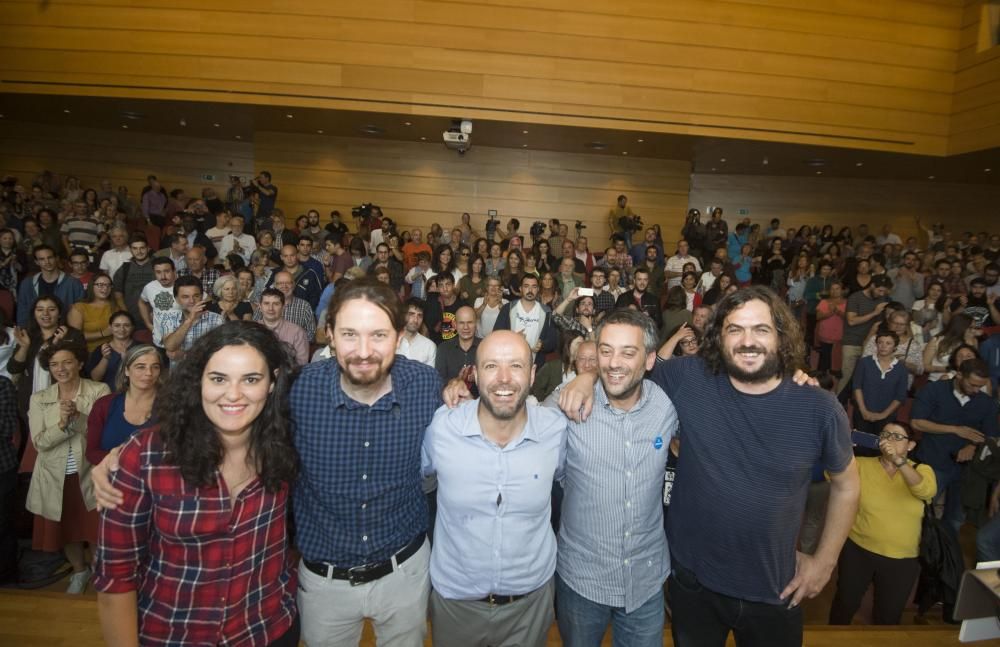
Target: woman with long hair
103,363
61,494
959,330
443,261
211,478
495,263
473,285
227,300
718,290
544,260
10,267
800,272
481,248
560,370
90,315
930,312
511,275
548,291
118,416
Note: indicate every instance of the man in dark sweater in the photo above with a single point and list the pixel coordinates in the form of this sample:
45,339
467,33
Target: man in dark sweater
439,316
954,417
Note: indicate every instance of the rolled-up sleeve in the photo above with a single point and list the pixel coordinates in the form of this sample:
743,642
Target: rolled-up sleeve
124,532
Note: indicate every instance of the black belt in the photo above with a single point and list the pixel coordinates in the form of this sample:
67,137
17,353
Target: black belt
366,572
495,600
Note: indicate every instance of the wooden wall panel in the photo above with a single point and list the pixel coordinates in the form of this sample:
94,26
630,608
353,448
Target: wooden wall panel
975,122
870,75
119,155
844,202
419,184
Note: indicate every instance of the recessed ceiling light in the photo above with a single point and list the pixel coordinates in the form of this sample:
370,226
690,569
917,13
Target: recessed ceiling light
819,172
597,146
722,159
713,168
371,129
216,125
125,126
132,115
1,116
524,132
407,123
524,145
183,122
859,163
930,177
624,152
985,170
423,139
764,161
66,110
815,162
319,132
640,140
238,137
289,116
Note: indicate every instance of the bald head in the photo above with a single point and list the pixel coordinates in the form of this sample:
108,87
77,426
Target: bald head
465,323
504,372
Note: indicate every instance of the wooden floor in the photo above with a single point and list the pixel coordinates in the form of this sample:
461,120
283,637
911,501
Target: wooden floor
49,619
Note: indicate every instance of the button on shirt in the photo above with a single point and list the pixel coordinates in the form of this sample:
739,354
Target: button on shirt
358,498
612,549
494,533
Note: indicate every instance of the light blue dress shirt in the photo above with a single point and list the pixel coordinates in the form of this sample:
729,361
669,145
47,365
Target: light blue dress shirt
493,532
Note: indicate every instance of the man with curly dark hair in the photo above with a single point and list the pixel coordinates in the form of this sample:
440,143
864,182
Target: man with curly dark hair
750,439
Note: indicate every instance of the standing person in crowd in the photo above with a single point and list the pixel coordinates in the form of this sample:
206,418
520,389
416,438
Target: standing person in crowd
884,541
415,246
863,307
61,492
272,305
226,444
879,384
675,264
640,298
454,354
130,280
716,231
930,312
157,298
495,555
237,241
90,315
955,417
529,318
104,361
412,344
267,195
119,252
907,281
441,311
50,280
183,327
196,265
488,307
154,201
227,300
732,531
117,416
619,216
296,310
959,330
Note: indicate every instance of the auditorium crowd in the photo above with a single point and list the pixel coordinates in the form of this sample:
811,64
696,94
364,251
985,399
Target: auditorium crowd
116,305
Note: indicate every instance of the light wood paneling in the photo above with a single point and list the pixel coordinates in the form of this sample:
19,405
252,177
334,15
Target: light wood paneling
845,202
124,157
975,123
870,75
419,184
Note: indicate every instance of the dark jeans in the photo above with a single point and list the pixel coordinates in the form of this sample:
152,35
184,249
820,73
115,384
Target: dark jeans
825,357
290,638
703,618
856,569
583,623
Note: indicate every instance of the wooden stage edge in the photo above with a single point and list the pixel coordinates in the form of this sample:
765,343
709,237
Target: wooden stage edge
37,618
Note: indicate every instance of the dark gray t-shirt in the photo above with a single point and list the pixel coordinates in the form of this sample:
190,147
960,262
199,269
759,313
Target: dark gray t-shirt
860,304
742,475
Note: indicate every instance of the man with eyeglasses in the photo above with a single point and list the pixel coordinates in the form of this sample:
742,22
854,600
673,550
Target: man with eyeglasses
79,266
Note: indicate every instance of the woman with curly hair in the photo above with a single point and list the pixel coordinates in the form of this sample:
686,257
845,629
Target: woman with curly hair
196,552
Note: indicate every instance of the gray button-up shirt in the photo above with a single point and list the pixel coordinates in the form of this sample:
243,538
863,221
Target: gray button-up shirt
612,548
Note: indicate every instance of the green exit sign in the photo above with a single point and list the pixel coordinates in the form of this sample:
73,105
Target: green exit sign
744,212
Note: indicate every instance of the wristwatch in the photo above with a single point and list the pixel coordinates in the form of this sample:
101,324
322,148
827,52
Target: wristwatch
900,463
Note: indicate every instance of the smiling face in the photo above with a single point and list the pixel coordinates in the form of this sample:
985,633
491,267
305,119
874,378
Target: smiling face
364,340
46,314
234,388
750,343
504,372
144,371
622,360
64,366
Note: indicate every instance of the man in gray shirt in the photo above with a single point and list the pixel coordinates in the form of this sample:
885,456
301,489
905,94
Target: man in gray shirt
908,282
863,307
613,558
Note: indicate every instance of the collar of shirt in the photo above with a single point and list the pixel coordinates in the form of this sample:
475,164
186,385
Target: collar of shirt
884,372
341,399
601,397
961,397
471,426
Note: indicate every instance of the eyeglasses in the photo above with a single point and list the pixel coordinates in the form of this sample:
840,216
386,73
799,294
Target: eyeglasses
689,342
465,254
889,435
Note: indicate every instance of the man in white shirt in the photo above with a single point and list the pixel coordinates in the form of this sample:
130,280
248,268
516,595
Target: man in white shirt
157,298
708,278
530,318
119,253
888,237
675,264
237,242
413,345
220,230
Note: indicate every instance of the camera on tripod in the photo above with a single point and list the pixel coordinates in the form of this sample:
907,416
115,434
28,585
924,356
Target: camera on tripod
364,213
630,224
537,229
579,228
491,226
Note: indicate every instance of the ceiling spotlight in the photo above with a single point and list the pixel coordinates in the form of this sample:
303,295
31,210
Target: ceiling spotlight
722,159
859,163
319,132
930,177
819,172
125,126
407,123
713,168
640,140
1,116
524,145
216,125
289,116
985,170
764,162
371,129
183,122
423,139
597,146
238,137
624,152
524,132
66,110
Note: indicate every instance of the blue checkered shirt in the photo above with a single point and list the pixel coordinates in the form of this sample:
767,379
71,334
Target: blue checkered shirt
358,498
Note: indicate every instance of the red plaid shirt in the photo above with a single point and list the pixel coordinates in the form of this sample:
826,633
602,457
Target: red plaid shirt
205,572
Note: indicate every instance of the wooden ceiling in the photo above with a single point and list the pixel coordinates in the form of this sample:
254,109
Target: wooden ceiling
707,155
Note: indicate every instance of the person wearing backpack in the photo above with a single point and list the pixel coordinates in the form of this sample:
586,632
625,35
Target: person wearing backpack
884,541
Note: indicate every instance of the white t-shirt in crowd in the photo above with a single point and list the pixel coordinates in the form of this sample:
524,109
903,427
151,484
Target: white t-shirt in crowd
530,322
488,319
161,301
419,349
112,259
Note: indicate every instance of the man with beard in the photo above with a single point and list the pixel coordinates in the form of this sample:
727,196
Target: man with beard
530,319
978,304
495,459
412,344
613,555
639,297
750,440
582,319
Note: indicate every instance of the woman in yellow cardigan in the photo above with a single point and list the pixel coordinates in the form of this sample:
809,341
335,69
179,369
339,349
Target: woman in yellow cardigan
883,544
61,492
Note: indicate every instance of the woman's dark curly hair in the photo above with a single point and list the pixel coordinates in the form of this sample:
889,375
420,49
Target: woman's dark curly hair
791,347
191,441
